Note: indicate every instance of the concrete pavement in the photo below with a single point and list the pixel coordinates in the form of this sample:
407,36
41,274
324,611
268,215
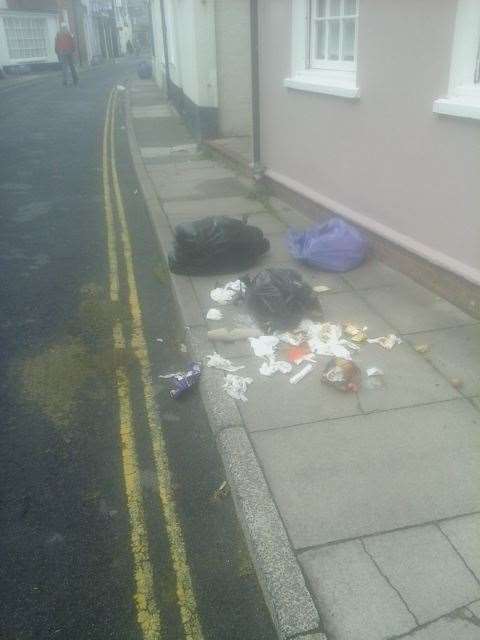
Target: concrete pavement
362,511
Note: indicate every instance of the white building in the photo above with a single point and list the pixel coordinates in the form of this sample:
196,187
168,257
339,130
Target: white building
205,65
27,37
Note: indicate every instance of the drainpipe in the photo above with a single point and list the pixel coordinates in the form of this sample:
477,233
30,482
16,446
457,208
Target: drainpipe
165,48
257,165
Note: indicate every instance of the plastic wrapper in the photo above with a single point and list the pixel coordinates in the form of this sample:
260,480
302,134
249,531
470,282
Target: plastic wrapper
216,244
342,374
183,380
333,246
279,298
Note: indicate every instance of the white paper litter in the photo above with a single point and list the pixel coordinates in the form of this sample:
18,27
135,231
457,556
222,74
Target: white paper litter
321,288
217,361
214,314
387,342
301,374
291,338
374,371
236,386
120,87
183,348
159,339
325,339
271,366
224,295
264,345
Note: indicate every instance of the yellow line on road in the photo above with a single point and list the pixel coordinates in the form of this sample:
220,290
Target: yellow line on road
185,592
148,616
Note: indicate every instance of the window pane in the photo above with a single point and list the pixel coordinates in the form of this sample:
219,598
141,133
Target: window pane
320,40
334,7
333,39
348,43
350,8
321,6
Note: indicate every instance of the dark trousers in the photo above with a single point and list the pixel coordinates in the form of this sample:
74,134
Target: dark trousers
66,60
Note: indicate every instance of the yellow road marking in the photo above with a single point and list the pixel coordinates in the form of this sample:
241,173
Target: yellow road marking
148,616
185,592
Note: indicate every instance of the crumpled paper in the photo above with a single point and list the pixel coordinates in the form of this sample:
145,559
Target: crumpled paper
236,386
217,361
214,314
325,339
264,345
271,366
228,293
387,342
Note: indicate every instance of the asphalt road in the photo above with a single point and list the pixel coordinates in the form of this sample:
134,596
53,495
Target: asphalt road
71,562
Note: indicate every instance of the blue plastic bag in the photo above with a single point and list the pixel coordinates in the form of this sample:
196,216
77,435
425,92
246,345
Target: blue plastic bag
333,246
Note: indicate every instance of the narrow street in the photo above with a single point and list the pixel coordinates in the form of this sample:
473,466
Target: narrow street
110,527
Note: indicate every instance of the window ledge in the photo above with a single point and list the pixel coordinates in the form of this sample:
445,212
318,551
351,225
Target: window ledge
345,88
460,106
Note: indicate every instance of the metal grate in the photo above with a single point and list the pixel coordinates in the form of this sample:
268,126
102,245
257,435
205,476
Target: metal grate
26,37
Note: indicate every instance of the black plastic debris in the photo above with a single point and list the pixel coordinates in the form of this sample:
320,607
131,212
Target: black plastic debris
216,244
279,298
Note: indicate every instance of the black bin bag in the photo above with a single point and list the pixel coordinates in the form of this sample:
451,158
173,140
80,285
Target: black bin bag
280,299
217,244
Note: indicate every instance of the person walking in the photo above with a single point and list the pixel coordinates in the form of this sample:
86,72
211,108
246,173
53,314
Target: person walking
64,48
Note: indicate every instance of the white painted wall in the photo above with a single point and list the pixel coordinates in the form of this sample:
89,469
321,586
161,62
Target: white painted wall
52,28
232,19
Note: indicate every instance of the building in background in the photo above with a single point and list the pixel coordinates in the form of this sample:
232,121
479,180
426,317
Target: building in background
27,33
202,57
140,24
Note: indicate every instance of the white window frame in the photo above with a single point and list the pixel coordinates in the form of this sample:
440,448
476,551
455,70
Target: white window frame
330,77
21,38
325,63
463,99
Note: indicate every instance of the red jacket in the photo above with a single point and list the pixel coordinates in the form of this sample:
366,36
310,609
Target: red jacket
64,43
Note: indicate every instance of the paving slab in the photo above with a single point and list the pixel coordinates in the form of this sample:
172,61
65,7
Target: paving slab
425,569
274,403
198,188
476,402
355,601
475,608
153,111
373,274
350,307
213,207
176,172
411,308
464,534
161,132
456,353
315,277
408,379
189,151
448,628
366,474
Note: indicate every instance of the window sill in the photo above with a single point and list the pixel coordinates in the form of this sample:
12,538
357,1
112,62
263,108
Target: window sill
317,83
459,106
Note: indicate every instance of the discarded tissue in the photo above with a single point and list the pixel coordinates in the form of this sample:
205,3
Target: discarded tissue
271,366
214,314
387,342
236,386
217,361
183,380
229,293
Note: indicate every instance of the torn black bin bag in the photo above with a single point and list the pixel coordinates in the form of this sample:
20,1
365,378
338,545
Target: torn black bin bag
217,244
280,299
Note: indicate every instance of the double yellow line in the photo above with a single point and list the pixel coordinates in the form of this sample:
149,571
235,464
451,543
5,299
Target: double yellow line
148,614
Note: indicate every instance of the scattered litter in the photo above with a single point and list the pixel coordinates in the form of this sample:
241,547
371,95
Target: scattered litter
321,288
183,348
232,335
160,340
387,342
457,383
374,371
422,348
135,192
219,362
272,366
120,87
301,374
291,338
236,386
299,354
332,246
325,339
214,314
216,244
355,333
229,293
279,298
181,381
220,492
264,345
342,374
